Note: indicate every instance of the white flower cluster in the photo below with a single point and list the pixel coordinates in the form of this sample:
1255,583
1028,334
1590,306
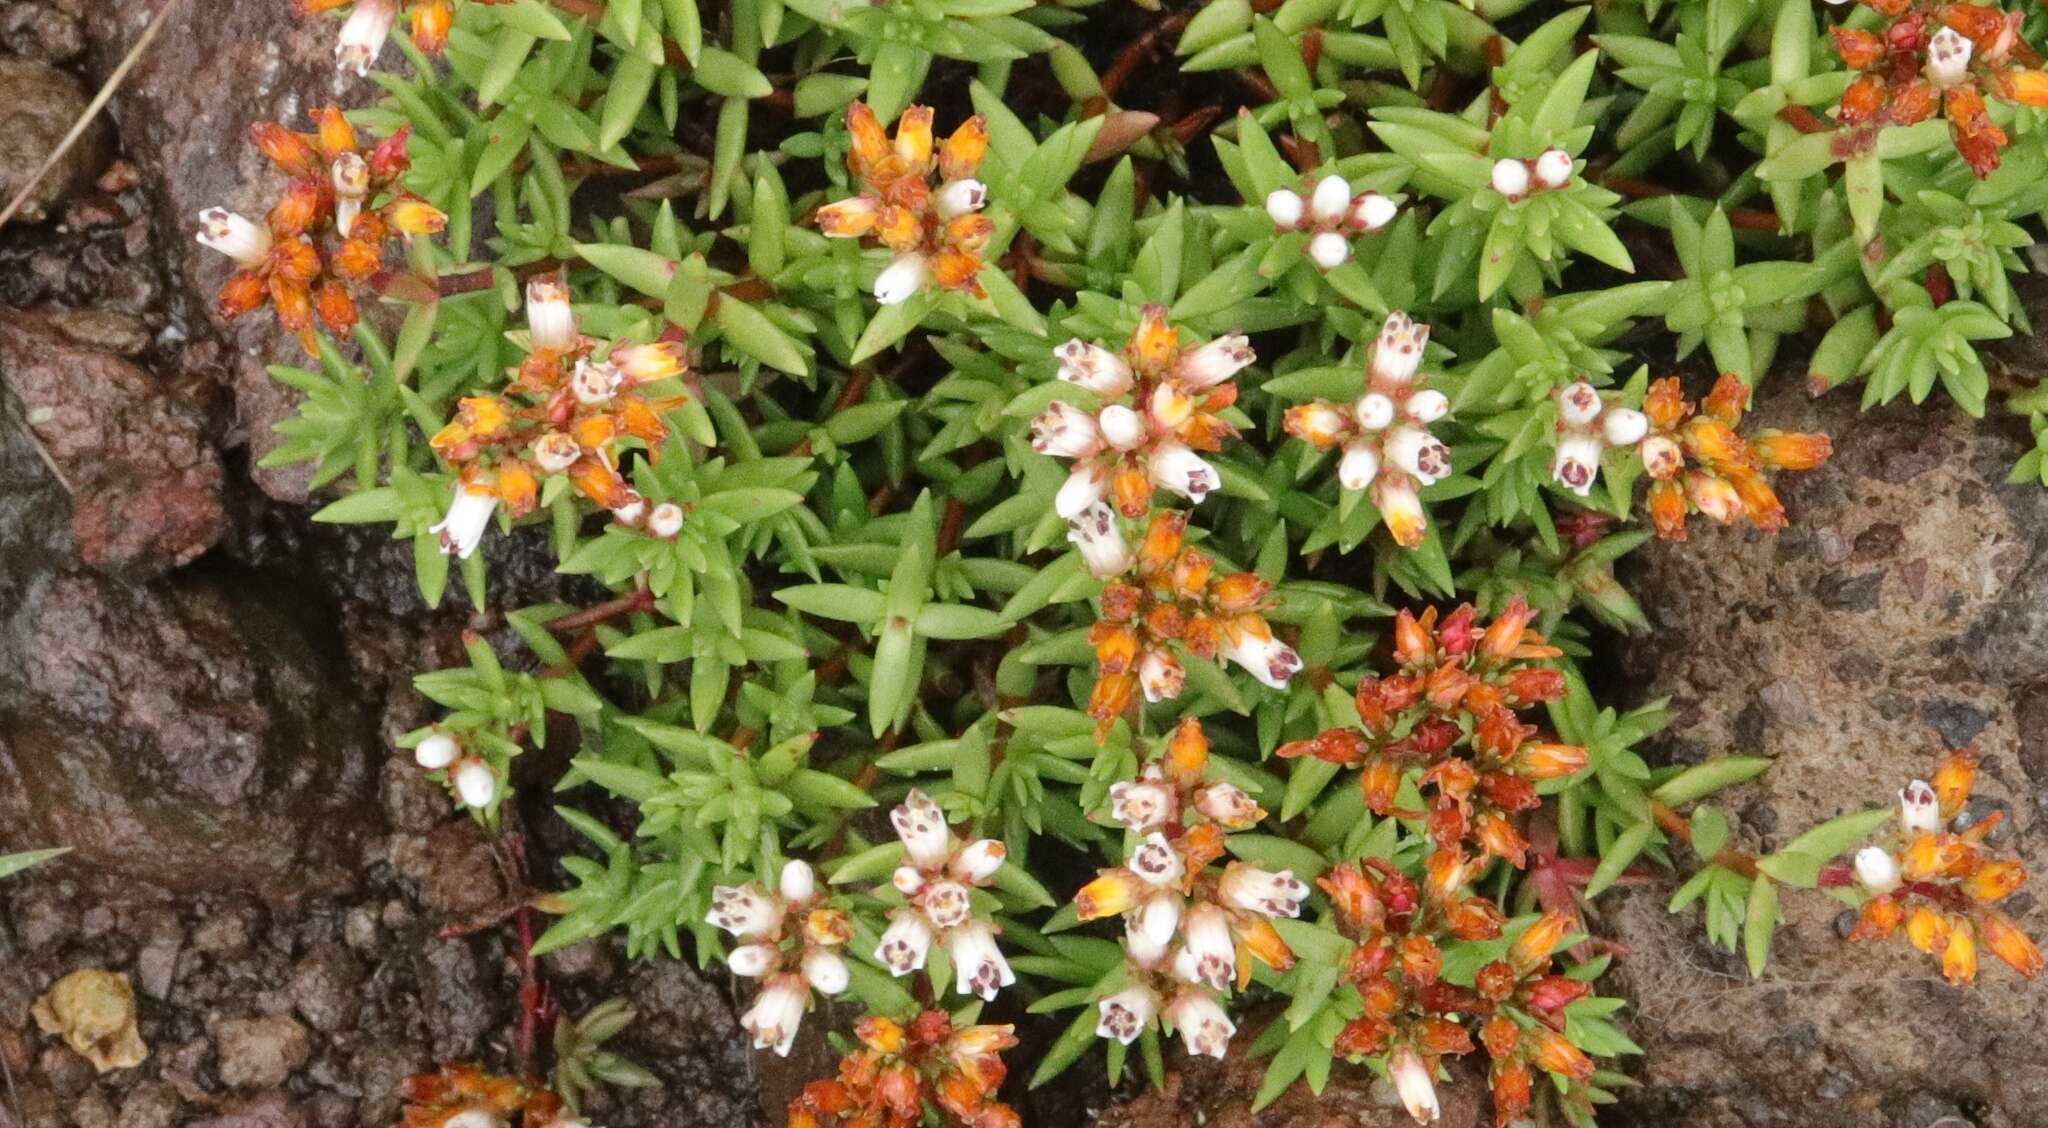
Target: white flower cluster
788,962
1183,952
938,879
475,784
1515,178
1586,427
1333,214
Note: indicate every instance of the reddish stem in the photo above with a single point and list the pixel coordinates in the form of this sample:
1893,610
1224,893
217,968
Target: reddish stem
630,603
1804,120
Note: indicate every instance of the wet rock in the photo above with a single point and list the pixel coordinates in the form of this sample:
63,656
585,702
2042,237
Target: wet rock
460,1005
151,1105
1943,659
684,1031
260,1053
38,104
191,734
265,1110
145,484
44,31
324,988
184,114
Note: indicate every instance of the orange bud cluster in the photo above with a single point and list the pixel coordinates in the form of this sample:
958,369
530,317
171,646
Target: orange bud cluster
1171,597
1942,882
1450,712
1938,57
433,1100
937,233
564,411
1698,464
326,232
901,1075
1516,1003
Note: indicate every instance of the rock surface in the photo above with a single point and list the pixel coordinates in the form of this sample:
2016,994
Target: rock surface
185,733
1903,612
38,104
145,483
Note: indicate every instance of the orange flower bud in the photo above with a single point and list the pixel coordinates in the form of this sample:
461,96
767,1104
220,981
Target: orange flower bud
1441,1036
1995,881
955,269
1381,782
2028,87
1553,1051
850,218
1414,641
336,136
1353,895
1532,949
1257,936
430,23
289,151
1113,893
244,293
2008,943
1665,403
1108,700
1191,574
358,258
517,487
1116,647
1131,491
914,138
1934,855
1959,958
1363,1037
1187,752
1155,347
1511,1091
1759,502
410,216
337,310
1927,929
302,203
1162,543
1783,450
1538,760
1953,780
1504,634
295,261
1240,591
1912,102
870,143
1421,960
962,154
600,483
1880,918
1666,503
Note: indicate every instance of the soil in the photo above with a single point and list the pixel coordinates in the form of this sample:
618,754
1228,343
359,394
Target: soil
199,688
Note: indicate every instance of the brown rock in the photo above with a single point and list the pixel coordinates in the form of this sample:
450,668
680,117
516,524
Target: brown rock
146,485
191,734
184,114
260,1053
38,104
1930,635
